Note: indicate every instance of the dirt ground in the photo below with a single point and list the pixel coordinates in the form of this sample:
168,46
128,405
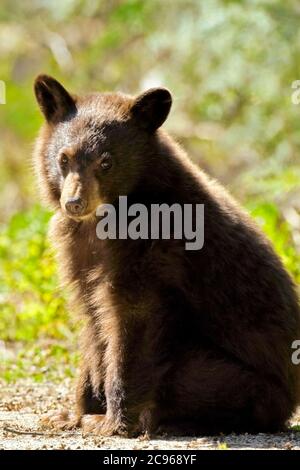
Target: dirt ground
22,404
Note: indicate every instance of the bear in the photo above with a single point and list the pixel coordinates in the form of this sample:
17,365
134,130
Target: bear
189,342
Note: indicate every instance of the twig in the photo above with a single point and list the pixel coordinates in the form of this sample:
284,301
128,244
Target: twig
32,433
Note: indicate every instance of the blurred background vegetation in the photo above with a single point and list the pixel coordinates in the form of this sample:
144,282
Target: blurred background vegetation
230,65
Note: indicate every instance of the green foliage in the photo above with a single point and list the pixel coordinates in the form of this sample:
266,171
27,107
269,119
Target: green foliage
31,306
279,232
39,340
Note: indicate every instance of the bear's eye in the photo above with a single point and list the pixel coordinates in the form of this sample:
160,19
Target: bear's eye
105,161
63,161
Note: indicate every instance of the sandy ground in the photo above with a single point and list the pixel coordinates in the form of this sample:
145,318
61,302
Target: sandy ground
23,403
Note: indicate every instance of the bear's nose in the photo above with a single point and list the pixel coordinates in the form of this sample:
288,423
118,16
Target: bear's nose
74,206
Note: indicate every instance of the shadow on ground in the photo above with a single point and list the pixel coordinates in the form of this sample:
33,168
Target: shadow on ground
22,403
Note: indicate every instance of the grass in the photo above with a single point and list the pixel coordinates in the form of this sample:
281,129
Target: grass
295,428
39,362
31,305
38,336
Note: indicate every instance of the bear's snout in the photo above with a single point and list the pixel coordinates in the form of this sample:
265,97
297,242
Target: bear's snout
75,206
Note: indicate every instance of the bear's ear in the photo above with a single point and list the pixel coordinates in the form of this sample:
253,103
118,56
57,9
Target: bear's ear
55,102
152,107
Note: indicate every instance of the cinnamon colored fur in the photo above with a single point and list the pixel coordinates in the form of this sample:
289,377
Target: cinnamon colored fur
185,341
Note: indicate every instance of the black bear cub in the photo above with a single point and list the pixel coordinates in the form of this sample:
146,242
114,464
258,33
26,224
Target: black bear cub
175,340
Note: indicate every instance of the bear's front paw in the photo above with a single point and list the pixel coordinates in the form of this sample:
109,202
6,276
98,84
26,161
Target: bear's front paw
100,425
62,420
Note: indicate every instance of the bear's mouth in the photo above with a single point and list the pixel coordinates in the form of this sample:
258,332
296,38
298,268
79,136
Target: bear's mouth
82,217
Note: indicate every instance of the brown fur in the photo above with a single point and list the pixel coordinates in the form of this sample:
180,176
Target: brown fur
185,341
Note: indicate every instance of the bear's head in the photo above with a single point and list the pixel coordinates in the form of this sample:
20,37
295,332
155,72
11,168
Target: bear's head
93,149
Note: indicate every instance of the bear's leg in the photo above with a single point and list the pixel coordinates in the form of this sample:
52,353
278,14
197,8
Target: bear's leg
90,398
209,394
